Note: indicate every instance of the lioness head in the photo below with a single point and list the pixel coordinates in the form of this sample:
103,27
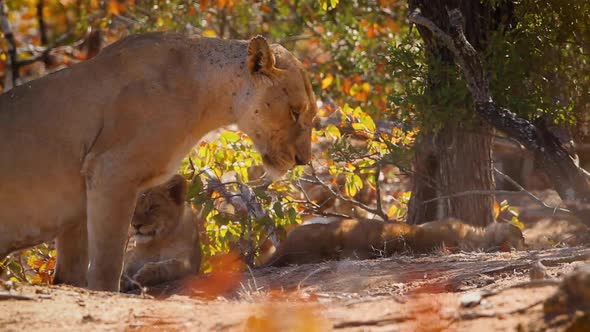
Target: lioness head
158,211
504,235
283,111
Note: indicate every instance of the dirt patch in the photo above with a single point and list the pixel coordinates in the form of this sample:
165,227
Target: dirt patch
462,292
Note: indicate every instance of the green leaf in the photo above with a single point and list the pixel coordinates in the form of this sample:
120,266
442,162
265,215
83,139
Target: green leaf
278,208
207,208
292,215
195,187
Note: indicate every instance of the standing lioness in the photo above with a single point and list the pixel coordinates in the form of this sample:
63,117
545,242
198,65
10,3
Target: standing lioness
78,145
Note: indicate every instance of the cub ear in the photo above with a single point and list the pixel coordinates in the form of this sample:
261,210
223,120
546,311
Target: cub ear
177,188
260,58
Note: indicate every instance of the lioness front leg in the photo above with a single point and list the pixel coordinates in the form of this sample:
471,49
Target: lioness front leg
72,255
110,207
158,272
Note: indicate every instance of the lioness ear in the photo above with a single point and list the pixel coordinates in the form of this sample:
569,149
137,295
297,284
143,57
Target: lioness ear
260,57
177,188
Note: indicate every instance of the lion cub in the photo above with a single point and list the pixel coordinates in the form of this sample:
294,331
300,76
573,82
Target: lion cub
164,229
365,238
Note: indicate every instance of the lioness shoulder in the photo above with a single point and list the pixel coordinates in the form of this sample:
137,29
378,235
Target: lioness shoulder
365,238
164,231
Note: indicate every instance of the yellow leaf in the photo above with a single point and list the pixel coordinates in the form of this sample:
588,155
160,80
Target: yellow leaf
333,132
36,280
327,81
209,33
496,209
230,137
392,211
368,123
516,222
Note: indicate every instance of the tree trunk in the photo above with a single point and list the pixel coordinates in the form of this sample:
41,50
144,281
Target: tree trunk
462,155
466,165
421,208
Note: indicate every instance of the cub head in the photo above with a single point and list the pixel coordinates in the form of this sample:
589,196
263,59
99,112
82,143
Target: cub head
158,211
281,108
504,236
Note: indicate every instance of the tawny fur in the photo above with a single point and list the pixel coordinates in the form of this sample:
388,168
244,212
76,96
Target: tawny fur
365,238
165,236
78,145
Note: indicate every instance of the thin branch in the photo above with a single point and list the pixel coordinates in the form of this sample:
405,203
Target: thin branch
471,193
43,55
464,52
378,188
244,202
295,38
315,207
42,26
316,180
504,192
530,194
13,76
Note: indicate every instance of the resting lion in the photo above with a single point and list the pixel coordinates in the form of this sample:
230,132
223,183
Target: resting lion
365,238
78,145
164,229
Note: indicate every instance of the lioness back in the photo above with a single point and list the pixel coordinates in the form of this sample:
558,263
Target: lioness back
365,238
164,231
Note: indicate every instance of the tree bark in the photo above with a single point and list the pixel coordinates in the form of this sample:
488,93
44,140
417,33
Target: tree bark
466,165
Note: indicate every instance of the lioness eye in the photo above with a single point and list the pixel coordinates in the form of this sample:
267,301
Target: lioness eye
294,115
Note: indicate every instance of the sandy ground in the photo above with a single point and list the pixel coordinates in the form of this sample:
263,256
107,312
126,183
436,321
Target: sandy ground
457,292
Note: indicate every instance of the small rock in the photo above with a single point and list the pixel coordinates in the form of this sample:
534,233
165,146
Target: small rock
538,271
9,285
471,300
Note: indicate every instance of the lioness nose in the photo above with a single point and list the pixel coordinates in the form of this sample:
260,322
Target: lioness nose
301,161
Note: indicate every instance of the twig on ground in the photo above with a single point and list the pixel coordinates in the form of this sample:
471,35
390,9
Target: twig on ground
316,271
373,322
13,296
476,315
526,284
